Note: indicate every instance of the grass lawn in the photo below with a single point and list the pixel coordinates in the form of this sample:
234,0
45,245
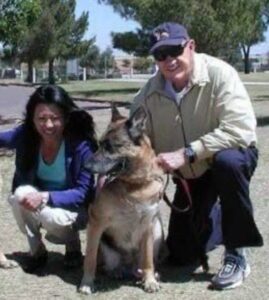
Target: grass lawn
177,283
258,92
255,77
104,89
54,282
109,90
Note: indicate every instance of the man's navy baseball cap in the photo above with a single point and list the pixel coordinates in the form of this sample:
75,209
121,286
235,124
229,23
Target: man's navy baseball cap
168,34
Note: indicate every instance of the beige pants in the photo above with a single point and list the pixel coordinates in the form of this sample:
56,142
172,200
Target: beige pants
57,223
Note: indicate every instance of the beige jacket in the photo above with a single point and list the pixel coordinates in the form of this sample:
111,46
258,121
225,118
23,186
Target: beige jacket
215,114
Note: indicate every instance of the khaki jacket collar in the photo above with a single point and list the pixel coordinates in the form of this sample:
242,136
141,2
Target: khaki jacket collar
200,74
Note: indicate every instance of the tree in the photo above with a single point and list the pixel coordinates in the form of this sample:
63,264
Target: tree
15,16
91,59
67,32
16,21
107,61
245,23
251,13
216,25
142,64
198,17
7,57
35,43
43,30
126,63
131,42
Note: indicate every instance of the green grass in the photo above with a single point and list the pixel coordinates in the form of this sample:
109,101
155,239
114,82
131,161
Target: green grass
255,77
108,90
258,92
104,90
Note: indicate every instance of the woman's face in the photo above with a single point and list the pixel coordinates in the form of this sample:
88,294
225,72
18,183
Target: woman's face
49,122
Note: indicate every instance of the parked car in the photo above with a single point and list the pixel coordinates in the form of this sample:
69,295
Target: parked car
9,73
72,76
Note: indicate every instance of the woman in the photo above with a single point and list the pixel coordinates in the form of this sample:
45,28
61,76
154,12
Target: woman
52,144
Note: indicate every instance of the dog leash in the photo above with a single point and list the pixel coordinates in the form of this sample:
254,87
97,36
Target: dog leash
202,254
187,191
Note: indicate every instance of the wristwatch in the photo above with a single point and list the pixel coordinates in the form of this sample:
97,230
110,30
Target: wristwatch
190,154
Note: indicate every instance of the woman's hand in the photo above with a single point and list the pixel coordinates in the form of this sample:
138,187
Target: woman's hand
171,161
32,201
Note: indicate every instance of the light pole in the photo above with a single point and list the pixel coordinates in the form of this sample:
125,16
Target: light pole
105,62
132,65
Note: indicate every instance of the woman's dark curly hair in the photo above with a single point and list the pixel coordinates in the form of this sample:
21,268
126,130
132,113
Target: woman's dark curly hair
79,124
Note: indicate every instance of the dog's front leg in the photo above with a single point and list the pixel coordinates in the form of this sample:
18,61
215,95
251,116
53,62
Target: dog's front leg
150,283
5,263
94,232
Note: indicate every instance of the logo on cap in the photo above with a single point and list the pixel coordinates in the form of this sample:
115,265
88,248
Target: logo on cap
160,34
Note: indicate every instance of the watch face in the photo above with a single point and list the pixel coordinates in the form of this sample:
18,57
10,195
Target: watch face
190,154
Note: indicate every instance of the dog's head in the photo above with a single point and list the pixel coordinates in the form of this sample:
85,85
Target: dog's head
120,145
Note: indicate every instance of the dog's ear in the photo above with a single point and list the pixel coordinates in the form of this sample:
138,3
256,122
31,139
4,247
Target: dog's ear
115,114
137,123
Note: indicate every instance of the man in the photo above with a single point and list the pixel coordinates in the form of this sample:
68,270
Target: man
202,126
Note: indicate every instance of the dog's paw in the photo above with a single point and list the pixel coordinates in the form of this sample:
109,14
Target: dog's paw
86,289
151,286
8,264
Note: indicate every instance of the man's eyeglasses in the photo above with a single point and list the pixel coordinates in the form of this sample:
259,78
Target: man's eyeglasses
172,51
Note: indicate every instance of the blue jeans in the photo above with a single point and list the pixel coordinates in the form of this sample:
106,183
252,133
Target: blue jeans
228,179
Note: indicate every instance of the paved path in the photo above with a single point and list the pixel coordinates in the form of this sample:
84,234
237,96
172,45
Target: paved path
255,83
13,100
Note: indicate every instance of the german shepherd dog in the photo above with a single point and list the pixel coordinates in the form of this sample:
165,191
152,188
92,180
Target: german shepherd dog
125,228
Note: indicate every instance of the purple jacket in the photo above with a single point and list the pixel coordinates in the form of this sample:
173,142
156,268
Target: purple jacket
79,181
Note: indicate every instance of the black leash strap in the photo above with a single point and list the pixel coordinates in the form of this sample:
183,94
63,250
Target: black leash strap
187,191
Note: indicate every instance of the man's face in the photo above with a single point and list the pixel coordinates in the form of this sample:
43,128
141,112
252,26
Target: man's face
175,63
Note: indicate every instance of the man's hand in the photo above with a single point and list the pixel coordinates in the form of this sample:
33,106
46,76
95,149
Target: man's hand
171,161
32,201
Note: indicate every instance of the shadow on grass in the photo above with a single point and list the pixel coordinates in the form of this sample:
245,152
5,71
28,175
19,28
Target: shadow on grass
108,106
179,274
263,121
168,273
71,276
108,91
261,98
54,266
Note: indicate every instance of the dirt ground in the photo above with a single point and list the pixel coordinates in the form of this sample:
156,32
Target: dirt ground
177,283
